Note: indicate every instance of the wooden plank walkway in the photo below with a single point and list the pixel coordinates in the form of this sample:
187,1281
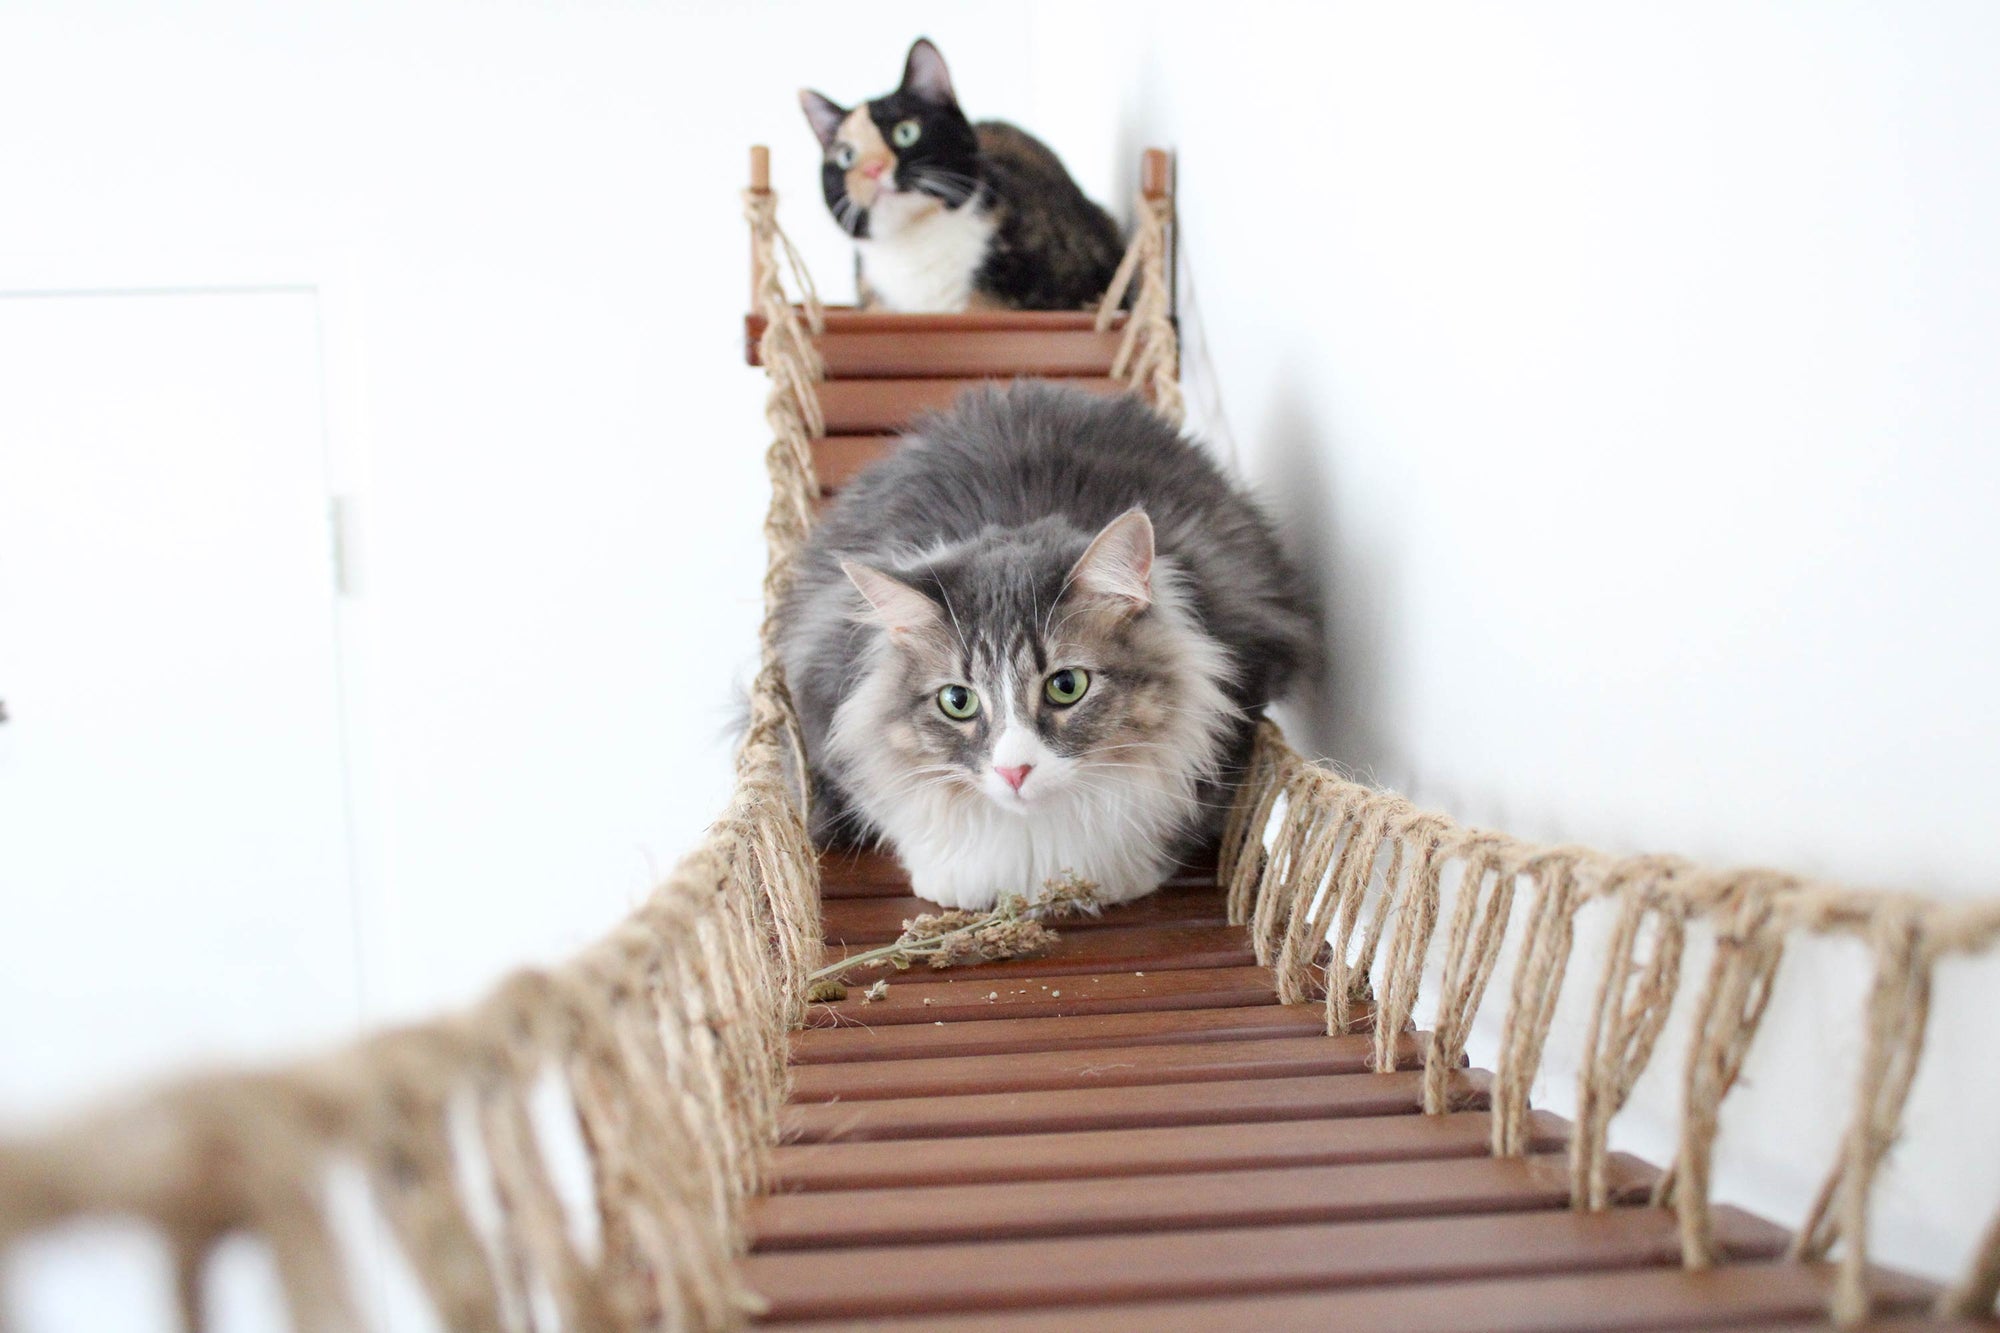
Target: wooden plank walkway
1130,1132
1110,1139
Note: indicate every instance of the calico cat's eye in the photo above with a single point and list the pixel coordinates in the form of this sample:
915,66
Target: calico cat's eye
843,155
1065,687
906,133
958,703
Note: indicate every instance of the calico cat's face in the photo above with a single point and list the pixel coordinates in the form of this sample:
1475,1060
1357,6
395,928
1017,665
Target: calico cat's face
1015,673
896,157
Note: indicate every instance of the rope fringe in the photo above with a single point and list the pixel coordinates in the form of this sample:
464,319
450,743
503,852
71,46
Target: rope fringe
669,1035
1149,355
1303,902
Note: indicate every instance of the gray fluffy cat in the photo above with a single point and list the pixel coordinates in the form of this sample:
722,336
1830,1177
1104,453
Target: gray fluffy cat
1036,640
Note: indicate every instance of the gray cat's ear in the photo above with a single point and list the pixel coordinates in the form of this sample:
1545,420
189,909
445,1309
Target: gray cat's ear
925,76
892,603
1118,566
823,113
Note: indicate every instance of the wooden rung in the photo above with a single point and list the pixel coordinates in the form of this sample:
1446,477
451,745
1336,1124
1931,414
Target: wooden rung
1065,1109
1270,1197
1768,1296
839,459
897,1279
1221,1005
860,407
879,920
1092,1068
972,997
1089,952
984,353
1095,1154
1101,1067
848,874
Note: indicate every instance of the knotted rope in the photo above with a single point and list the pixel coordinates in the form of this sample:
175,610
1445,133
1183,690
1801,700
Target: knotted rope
668,1037
1149,355
1288,895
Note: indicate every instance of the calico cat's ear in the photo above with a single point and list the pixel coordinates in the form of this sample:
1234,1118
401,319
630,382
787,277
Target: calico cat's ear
892,603
824,114
1118,565
925,76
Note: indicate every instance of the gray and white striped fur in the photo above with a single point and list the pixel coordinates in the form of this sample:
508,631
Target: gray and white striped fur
1030,541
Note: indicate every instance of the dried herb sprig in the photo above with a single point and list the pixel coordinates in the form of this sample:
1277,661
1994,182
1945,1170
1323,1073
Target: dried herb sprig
1013,929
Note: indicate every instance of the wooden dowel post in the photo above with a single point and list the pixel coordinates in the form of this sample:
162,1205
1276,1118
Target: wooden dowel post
1153,174
760,183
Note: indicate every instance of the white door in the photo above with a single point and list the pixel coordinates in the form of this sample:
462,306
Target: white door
174,856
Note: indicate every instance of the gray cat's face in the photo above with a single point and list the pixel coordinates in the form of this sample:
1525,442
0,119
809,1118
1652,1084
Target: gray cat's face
1013,672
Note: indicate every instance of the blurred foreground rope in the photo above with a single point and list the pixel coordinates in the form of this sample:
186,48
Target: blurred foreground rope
1302,845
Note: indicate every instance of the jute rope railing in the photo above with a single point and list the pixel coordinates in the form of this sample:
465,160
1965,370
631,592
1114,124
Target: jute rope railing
1300,853
1149,355
668,1036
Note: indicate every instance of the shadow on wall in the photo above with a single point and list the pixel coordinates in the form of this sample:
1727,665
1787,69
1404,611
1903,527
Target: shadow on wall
1339,708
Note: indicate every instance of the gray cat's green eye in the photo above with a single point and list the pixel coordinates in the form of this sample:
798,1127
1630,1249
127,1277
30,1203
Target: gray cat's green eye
843,155
958,703
906,133
1065,687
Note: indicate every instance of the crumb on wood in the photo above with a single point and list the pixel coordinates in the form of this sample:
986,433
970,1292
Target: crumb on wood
878,991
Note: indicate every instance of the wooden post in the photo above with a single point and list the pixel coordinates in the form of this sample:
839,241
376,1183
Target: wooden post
760,183
1156,182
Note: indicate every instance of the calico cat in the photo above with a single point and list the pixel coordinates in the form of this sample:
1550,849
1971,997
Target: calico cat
949,216
1034,640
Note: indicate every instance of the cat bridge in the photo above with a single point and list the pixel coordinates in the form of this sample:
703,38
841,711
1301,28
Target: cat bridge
1210,1108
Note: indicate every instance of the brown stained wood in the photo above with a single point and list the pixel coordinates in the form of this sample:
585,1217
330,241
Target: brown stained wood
1102,1067
900,1280
1065,1109
849,874
1092,953
1246,1007
880,920
1134,1204
959,996
967,353
838,459
1167,1150
859,407
1737,1296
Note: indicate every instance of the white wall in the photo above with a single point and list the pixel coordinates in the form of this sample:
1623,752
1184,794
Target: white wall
1627,373
1621,370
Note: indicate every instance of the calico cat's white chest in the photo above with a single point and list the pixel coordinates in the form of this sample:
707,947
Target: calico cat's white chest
924,262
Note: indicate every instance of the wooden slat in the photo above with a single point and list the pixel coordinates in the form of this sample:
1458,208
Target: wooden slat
958,995
856,874
1618,1301
1227,1146
1133,1204
1004,353
841,319
1013,1273
1092,1068
1090,952
880,920
838,459
1053,1111
1247,1008
861,407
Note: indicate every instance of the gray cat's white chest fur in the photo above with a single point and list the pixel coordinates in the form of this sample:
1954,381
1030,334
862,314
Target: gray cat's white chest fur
922,258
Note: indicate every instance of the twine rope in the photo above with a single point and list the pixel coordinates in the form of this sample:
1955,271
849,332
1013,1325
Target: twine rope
668,1037
1754,913
1149,355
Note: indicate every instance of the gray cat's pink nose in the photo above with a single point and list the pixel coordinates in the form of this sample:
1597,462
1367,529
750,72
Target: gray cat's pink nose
1014,777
